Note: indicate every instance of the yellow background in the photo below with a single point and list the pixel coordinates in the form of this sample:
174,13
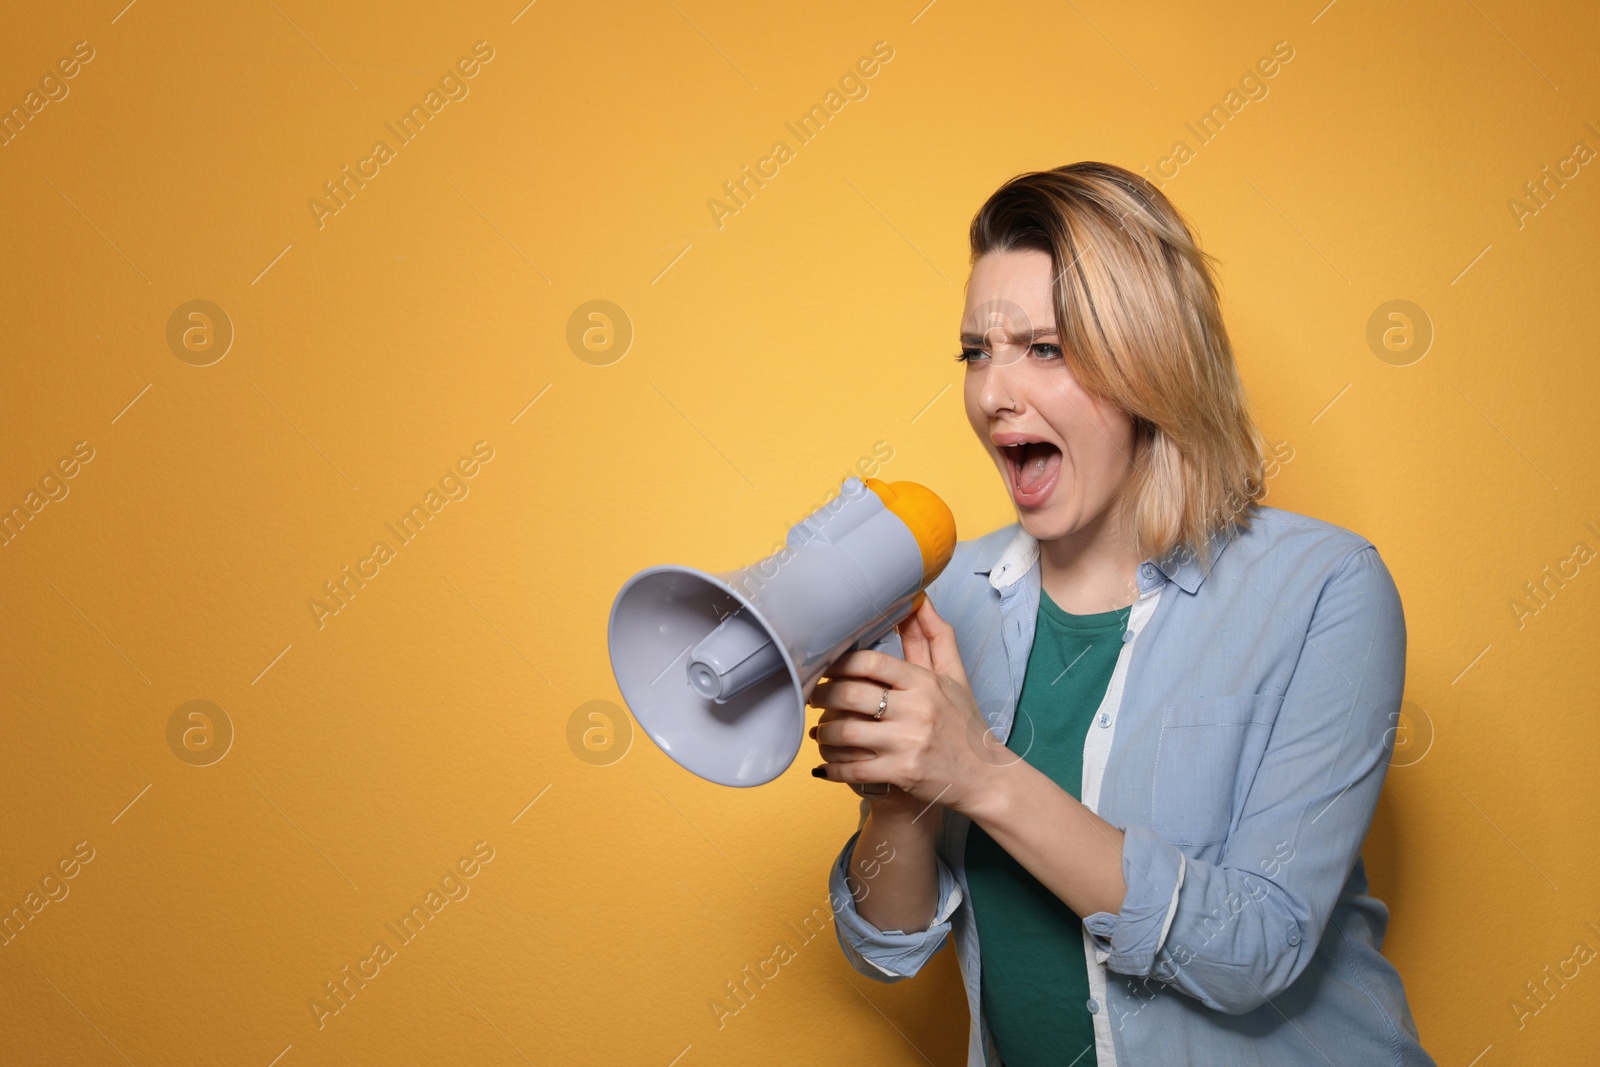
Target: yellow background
768,356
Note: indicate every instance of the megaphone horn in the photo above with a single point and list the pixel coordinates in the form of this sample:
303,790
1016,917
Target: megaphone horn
717,668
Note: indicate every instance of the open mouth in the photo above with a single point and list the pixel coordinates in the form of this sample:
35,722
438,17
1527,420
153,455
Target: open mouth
1034,467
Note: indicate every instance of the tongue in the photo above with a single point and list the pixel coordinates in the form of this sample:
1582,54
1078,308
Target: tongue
1039,461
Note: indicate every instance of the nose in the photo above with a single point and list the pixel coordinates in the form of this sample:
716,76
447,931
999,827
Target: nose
999,387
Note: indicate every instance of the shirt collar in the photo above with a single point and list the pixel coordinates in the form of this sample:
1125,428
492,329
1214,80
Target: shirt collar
1021,553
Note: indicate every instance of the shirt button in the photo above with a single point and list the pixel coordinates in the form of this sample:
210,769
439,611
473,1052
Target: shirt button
1294,938
1148,571
1094,1006
1127,635
1105,720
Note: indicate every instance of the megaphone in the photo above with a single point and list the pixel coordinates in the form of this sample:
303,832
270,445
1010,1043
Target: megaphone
717,668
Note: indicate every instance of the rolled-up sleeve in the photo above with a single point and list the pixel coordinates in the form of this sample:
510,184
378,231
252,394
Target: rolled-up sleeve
1236,932
886,955
1153,870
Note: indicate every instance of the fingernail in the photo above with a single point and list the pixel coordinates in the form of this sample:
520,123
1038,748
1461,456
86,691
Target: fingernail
817,772
812,732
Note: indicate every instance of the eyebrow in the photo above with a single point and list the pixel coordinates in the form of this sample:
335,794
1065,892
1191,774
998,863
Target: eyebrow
1034,335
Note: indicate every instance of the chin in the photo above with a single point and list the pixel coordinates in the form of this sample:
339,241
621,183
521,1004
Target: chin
1044,525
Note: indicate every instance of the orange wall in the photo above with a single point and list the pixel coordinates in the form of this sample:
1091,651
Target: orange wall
388,345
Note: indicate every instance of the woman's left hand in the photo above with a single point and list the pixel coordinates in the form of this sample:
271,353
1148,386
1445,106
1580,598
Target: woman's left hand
930,738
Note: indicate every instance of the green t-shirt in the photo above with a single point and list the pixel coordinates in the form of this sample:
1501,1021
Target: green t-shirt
1035,980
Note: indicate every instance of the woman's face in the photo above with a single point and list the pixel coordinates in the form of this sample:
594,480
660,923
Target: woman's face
1065,456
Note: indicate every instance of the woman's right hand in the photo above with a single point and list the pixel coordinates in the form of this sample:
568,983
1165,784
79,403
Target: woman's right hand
897,804
929,740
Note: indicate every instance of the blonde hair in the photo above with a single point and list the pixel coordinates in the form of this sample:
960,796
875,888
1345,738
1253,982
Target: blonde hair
1140,326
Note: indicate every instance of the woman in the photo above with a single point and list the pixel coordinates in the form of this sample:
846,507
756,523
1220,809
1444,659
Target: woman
1137,737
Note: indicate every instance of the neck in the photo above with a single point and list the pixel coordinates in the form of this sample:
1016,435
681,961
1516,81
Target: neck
1092,569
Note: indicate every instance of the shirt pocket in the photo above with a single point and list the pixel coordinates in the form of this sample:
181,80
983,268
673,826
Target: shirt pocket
1205,746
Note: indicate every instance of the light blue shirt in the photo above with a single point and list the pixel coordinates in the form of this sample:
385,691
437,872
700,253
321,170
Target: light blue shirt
1241,748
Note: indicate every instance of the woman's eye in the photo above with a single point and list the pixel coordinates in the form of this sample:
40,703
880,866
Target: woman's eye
1044,351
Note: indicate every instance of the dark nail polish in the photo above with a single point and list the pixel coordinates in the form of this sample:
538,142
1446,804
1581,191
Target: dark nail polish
818,772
